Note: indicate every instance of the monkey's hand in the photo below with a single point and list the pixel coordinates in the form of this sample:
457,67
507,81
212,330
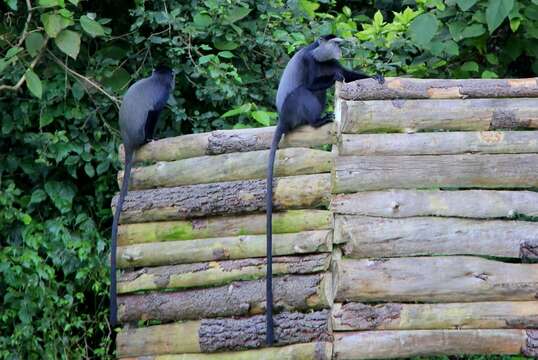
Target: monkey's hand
380,78
338,76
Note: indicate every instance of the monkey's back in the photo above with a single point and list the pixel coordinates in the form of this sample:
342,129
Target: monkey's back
134,111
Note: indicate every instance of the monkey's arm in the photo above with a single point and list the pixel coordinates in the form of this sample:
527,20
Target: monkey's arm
313,81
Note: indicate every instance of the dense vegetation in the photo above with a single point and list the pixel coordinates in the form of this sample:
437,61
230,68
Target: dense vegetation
65,64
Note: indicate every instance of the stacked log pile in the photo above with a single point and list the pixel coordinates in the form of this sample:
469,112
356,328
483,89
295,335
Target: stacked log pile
433,193
191,248
417,235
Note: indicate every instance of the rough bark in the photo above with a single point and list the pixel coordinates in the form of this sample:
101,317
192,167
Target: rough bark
480,315
229,334
481,204
411,343
241,298
427,115
434,279
530,348
227,248
308,351
363,173
408,88
366,237
283,222
440,143
217,273
227,141
229,167
227,198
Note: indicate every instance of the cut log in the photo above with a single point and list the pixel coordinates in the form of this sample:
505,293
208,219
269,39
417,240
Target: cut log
226,248
367,237
212,335
481,204
411,343
240,298
434,279
229,167
481,315
283,222
408,88
227,198
308,351
427,115
217,273
440,143
228,141
363,173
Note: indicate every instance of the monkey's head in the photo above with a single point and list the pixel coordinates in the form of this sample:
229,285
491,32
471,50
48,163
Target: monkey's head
164,73
328,48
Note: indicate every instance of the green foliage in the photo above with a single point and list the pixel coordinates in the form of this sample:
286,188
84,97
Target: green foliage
60,76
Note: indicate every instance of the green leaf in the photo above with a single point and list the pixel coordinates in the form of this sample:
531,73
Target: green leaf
226,54
473,31
33,83
38,196
90,171
489,75
222,44
74,2
50,3
245,108
423,29
470,66
69,42
12,52
514,24
61,194
205,59
45,119
202,20
466,4
262,117
118,80
12,4
451,48
54,23
33,43
236,13
309,7
102,167
92,27
492,59
496,12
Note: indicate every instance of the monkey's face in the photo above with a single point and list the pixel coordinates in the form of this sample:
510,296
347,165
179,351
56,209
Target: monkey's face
328,49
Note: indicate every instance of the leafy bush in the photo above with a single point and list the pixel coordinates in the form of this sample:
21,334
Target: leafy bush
65,64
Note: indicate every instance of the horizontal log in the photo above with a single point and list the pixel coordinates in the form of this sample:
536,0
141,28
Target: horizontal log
229,167
481,204
479,315
366,237
411,343
363,173
434,279
229,334
227,198
225,248
308,351
426,115
240,298
227,141
217,273
440,143
283,222
409,88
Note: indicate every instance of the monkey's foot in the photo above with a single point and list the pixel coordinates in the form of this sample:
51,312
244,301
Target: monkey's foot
329,117
380,78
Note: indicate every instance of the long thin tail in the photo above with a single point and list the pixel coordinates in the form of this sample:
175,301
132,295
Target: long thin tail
119,205
269,209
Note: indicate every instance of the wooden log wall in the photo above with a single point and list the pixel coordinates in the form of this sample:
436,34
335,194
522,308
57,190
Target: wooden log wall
416,235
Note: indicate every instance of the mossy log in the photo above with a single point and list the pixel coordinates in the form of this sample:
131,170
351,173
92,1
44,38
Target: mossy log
217,273
364,173
366,237
393,316
308,351
229,167
440,143
434,279
225,248
240,298
227,198
283,222
481,204
427,115
411,343
409,88
229,334
227,141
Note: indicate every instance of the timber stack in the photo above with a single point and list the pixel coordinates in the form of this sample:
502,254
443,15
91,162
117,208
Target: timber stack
414,236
